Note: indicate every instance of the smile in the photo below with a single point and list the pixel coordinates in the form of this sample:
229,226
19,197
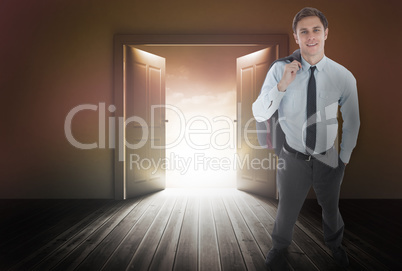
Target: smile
313,44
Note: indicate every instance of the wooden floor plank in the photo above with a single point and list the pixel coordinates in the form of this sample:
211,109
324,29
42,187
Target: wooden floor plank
187,249
251,216
165,254
252,254
145,238
71,247
145,210
94,241
209,258
229,250
165,251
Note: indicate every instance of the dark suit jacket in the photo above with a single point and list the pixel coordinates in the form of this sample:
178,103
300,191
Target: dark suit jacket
269,132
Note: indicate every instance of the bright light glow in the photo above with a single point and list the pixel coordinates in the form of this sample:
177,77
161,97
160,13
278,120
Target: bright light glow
209,138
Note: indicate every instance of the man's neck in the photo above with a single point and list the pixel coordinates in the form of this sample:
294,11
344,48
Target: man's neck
312,60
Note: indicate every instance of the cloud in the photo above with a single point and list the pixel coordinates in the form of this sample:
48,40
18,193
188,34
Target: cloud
176,96
210,99
207,104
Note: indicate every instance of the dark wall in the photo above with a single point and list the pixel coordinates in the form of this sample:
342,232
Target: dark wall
55,55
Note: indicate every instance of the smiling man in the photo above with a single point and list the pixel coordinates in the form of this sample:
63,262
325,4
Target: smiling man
307,94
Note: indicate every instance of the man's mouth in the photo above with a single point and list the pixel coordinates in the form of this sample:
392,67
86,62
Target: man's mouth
312,44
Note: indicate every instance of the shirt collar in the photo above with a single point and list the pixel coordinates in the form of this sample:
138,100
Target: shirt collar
320,65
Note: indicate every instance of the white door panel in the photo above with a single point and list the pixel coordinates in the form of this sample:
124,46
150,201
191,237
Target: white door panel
257,174
145,112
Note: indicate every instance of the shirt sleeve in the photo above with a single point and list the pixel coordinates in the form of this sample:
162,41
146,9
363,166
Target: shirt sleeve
270,97
351,119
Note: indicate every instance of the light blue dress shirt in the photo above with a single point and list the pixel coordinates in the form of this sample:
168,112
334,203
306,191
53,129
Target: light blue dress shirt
335,86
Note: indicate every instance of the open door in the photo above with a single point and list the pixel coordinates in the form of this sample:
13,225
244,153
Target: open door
256,171
139,84
145,122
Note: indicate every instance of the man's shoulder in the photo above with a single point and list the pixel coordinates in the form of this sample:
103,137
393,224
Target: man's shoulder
331,64
339,73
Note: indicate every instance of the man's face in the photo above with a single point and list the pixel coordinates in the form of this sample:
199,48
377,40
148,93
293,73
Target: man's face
311,36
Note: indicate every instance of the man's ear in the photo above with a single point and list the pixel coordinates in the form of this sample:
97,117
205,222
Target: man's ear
326,34
296,39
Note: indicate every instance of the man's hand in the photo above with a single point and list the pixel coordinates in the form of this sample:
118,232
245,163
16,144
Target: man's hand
289,75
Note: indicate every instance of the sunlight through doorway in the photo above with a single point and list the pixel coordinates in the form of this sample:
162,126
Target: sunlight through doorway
201,113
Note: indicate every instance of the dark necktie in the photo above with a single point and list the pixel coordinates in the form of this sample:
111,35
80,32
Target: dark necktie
311,111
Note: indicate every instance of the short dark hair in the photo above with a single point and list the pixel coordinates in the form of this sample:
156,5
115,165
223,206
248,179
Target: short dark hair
307,12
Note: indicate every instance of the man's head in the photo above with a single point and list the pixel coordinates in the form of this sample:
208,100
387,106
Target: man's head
310,30
307,12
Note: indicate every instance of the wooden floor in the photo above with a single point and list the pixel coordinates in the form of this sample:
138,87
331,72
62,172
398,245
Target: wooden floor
188,230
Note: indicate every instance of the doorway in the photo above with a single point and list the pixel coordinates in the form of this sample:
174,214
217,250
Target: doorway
202,97
201,90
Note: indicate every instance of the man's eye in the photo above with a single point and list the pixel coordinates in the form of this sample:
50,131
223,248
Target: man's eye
304,32
316,30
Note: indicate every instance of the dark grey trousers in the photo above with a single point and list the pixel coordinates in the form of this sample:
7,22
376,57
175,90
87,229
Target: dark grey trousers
294,182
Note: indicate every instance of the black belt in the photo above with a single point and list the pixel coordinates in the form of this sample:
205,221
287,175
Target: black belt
296,154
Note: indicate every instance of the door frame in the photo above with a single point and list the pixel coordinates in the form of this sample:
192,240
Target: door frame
281,40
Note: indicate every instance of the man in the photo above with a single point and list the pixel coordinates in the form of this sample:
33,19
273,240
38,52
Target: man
306,95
